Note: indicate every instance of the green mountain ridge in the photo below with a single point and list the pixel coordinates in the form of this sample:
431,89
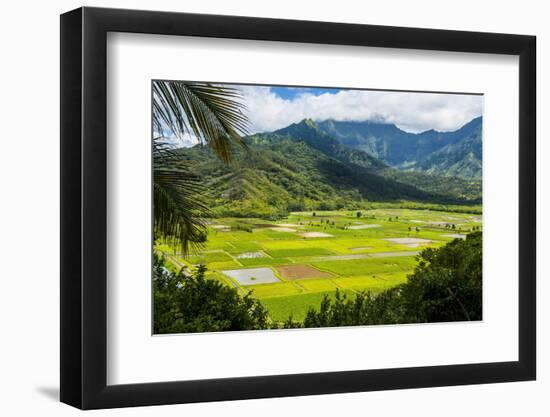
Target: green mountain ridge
309,132
303,168
460,159
438,186
456,153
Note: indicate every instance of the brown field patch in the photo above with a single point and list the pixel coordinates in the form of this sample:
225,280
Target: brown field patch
293,272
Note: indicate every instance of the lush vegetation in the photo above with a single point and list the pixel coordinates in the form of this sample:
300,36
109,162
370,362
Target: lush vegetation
444,286
213,115
300,168
454,154
356,253
317,224
189,303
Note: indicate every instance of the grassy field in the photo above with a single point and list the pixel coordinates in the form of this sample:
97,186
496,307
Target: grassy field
313,254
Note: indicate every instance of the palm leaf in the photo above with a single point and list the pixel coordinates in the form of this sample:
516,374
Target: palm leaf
214,115
178,207
211,113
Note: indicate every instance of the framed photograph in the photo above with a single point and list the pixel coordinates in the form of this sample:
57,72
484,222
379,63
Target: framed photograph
257,208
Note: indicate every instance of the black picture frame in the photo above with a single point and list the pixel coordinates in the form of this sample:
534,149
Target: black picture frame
84,207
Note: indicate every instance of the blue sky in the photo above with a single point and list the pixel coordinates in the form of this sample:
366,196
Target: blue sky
290,93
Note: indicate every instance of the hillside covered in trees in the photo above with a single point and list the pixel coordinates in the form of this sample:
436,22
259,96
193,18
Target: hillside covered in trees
453,154
303,168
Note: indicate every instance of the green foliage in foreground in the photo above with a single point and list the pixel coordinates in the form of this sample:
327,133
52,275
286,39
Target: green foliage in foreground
212,114
191,303
445,286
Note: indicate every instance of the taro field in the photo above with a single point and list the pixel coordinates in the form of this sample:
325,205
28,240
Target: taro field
289,265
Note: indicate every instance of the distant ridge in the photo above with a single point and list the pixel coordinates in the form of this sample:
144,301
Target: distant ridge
309,132
457,153
301,167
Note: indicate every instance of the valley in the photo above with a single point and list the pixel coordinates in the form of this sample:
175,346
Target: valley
282,207
291,263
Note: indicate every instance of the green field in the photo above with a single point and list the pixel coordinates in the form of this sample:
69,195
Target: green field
355,257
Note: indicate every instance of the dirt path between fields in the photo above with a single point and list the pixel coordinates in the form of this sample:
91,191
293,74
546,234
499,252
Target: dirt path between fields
362,256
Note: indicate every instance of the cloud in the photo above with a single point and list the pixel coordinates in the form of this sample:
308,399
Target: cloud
169,139
186,140
412,112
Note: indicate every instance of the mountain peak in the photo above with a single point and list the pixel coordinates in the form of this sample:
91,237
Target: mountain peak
313,135
306,127
308,122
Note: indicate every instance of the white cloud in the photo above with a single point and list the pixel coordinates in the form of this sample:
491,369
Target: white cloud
186,140
412,112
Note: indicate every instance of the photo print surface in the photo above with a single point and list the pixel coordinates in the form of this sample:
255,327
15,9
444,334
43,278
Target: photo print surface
283,207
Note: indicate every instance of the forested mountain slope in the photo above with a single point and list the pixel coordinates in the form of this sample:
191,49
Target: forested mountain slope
456,153
303,168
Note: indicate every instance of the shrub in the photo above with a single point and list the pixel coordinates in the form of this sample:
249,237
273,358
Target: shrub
185,303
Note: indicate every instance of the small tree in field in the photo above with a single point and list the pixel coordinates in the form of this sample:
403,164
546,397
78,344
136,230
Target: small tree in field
359,214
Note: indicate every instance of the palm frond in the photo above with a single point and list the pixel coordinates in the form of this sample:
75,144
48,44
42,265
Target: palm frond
214,114
178,208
